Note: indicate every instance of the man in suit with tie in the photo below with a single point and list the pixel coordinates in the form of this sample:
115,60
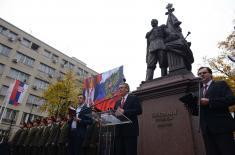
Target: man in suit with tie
78,126
127,134
217,124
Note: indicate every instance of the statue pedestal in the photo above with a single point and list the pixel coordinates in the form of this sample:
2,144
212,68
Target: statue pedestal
166,127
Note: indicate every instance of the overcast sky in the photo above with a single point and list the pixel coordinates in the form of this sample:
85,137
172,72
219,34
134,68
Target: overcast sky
109,33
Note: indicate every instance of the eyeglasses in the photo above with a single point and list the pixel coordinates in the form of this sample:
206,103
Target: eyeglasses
202,73
122,87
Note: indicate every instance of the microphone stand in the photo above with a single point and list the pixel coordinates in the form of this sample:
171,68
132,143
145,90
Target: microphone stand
199,104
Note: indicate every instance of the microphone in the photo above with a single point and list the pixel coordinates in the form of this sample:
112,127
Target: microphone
199,79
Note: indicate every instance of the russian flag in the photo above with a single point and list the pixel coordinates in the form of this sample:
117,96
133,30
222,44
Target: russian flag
17,92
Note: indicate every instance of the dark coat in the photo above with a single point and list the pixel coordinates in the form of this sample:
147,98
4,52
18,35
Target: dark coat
52,134
85,117
30,137
216,116
57,133
37,136
132,109
44,136
22,137
64,133
16,137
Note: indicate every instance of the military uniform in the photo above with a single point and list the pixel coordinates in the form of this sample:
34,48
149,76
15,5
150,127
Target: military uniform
50,144
13,147
63,139
43,140
21,140
36,140
29,140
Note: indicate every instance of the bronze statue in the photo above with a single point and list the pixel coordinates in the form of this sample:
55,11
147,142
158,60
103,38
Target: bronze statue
179,45
156,50
167,45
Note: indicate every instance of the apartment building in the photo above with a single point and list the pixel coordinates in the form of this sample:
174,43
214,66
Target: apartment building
32,61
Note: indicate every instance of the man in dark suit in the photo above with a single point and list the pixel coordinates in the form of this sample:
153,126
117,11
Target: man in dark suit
217,124
127,134
78,126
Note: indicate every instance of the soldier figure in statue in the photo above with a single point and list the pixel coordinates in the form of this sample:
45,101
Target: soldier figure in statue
155,50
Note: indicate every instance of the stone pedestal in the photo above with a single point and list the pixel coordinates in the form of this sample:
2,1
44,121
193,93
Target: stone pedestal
166,127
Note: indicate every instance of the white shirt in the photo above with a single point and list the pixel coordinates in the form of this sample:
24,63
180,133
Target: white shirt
208,84
74,123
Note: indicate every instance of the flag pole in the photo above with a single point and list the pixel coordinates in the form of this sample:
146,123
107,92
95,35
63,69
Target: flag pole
6,100
4,105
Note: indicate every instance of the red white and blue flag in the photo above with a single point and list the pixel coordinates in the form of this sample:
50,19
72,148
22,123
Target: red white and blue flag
101,90
17,92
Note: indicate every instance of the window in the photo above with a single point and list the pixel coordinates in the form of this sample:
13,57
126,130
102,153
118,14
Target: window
46,69
3,90
80,72
70,65
61,76
34,46
32,99
4,50
40,84
29,117
67,64
24,59
85,73
64,63
16,74
50,55
46,53
26,42
55,58
1,68
12,35
3,31
8,115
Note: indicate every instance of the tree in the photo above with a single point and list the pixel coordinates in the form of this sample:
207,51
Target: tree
223,65
61,94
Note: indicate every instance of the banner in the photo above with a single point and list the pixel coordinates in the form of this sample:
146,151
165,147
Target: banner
101,90
17,92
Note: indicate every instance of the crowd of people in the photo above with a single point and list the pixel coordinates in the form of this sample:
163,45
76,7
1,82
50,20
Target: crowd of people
47,136
79,133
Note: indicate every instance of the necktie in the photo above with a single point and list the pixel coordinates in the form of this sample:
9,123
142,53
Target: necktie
204,90
122,102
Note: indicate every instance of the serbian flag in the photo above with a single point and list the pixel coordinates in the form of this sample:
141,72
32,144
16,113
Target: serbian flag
101,90
17,92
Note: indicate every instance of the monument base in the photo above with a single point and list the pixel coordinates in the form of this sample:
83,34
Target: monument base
166,127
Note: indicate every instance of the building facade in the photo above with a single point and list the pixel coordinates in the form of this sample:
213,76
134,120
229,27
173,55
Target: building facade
32,61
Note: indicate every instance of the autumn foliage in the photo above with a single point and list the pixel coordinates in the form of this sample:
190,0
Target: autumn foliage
61,94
